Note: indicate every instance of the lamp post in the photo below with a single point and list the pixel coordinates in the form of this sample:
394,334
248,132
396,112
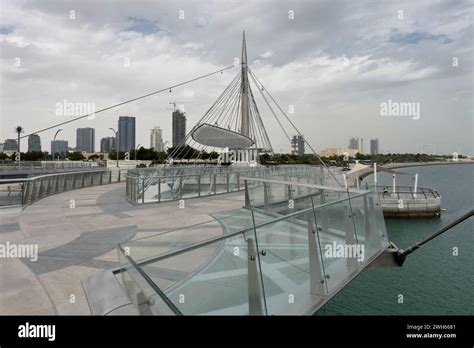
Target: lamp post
54,139
116,144
136,151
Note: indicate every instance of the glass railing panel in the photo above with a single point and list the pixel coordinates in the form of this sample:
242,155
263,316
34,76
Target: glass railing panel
143,296
221,183
212,279
340,251
233,184
290,264
367,231
234,220
377,216
151,188
156,244
189,186
207,185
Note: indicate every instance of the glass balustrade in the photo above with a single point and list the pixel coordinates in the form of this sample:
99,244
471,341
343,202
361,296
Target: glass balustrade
268,258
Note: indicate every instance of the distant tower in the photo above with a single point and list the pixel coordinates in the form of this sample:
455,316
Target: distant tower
179,128
244,103
107,144
85,139
34,143
297,143
374,146
156,139
126,133
353,143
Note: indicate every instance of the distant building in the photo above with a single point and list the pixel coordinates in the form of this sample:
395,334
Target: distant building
297,143
34,143
338,152
361,149
374,146
353,143
107,144
126,133
59,146
179,128
156,138
10,145
85,139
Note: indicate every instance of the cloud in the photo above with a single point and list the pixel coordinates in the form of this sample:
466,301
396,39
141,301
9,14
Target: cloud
265,55
335,62
416,37
194,45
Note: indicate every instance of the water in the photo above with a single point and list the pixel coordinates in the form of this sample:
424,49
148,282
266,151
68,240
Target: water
432,280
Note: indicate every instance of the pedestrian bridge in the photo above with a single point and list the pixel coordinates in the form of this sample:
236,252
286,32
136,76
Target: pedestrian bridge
290,248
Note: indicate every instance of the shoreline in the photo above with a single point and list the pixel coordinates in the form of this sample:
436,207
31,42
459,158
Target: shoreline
370,170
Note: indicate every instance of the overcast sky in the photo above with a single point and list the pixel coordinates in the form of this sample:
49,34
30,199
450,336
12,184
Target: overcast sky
335,61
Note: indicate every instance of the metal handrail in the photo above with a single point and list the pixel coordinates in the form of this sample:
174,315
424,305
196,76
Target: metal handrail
320,187
48,175
242,231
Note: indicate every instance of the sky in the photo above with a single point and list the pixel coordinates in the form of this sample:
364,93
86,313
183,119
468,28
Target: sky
335,63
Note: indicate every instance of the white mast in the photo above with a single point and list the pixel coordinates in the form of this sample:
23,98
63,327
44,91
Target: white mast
244,104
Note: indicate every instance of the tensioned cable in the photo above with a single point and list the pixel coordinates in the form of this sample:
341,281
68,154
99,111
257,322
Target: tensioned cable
265,139
296,129
177,151
269,106
130,100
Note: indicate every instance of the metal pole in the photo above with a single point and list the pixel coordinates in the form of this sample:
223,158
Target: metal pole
403,253
53,141
394,188
416,185
315,275
116,144
254,291
375,174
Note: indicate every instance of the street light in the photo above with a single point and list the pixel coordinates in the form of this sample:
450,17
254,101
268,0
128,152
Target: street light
116,144
136,151
54,139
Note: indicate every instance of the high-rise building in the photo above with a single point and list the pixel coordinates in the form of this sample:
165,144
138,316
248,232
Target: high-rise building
156,138
107,145
85,139
361,149
353,143
10,145
59,146
126,133
297,143
374,146
34,143
179,128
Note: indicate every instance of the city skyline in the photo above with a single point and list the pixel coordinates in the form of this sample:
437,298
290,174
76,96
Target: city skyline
330,85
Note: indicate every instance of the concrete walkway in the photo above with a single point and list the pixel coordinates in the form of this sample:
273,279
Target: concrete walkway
77,233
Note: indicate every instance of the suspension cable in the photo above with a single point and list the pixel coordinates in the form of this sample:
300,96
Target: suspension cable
131,100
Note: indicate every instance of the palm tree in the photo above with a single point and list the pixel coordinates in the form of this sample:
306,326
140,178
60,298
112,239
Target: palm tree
19,130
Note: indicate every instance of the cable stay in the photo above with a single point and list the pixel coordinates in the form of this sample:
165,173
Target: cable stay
130,100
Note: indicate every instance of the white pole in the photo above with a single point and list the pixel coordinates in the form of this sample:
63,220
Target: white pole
345,180
357,181
375,174
394,189
416,185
